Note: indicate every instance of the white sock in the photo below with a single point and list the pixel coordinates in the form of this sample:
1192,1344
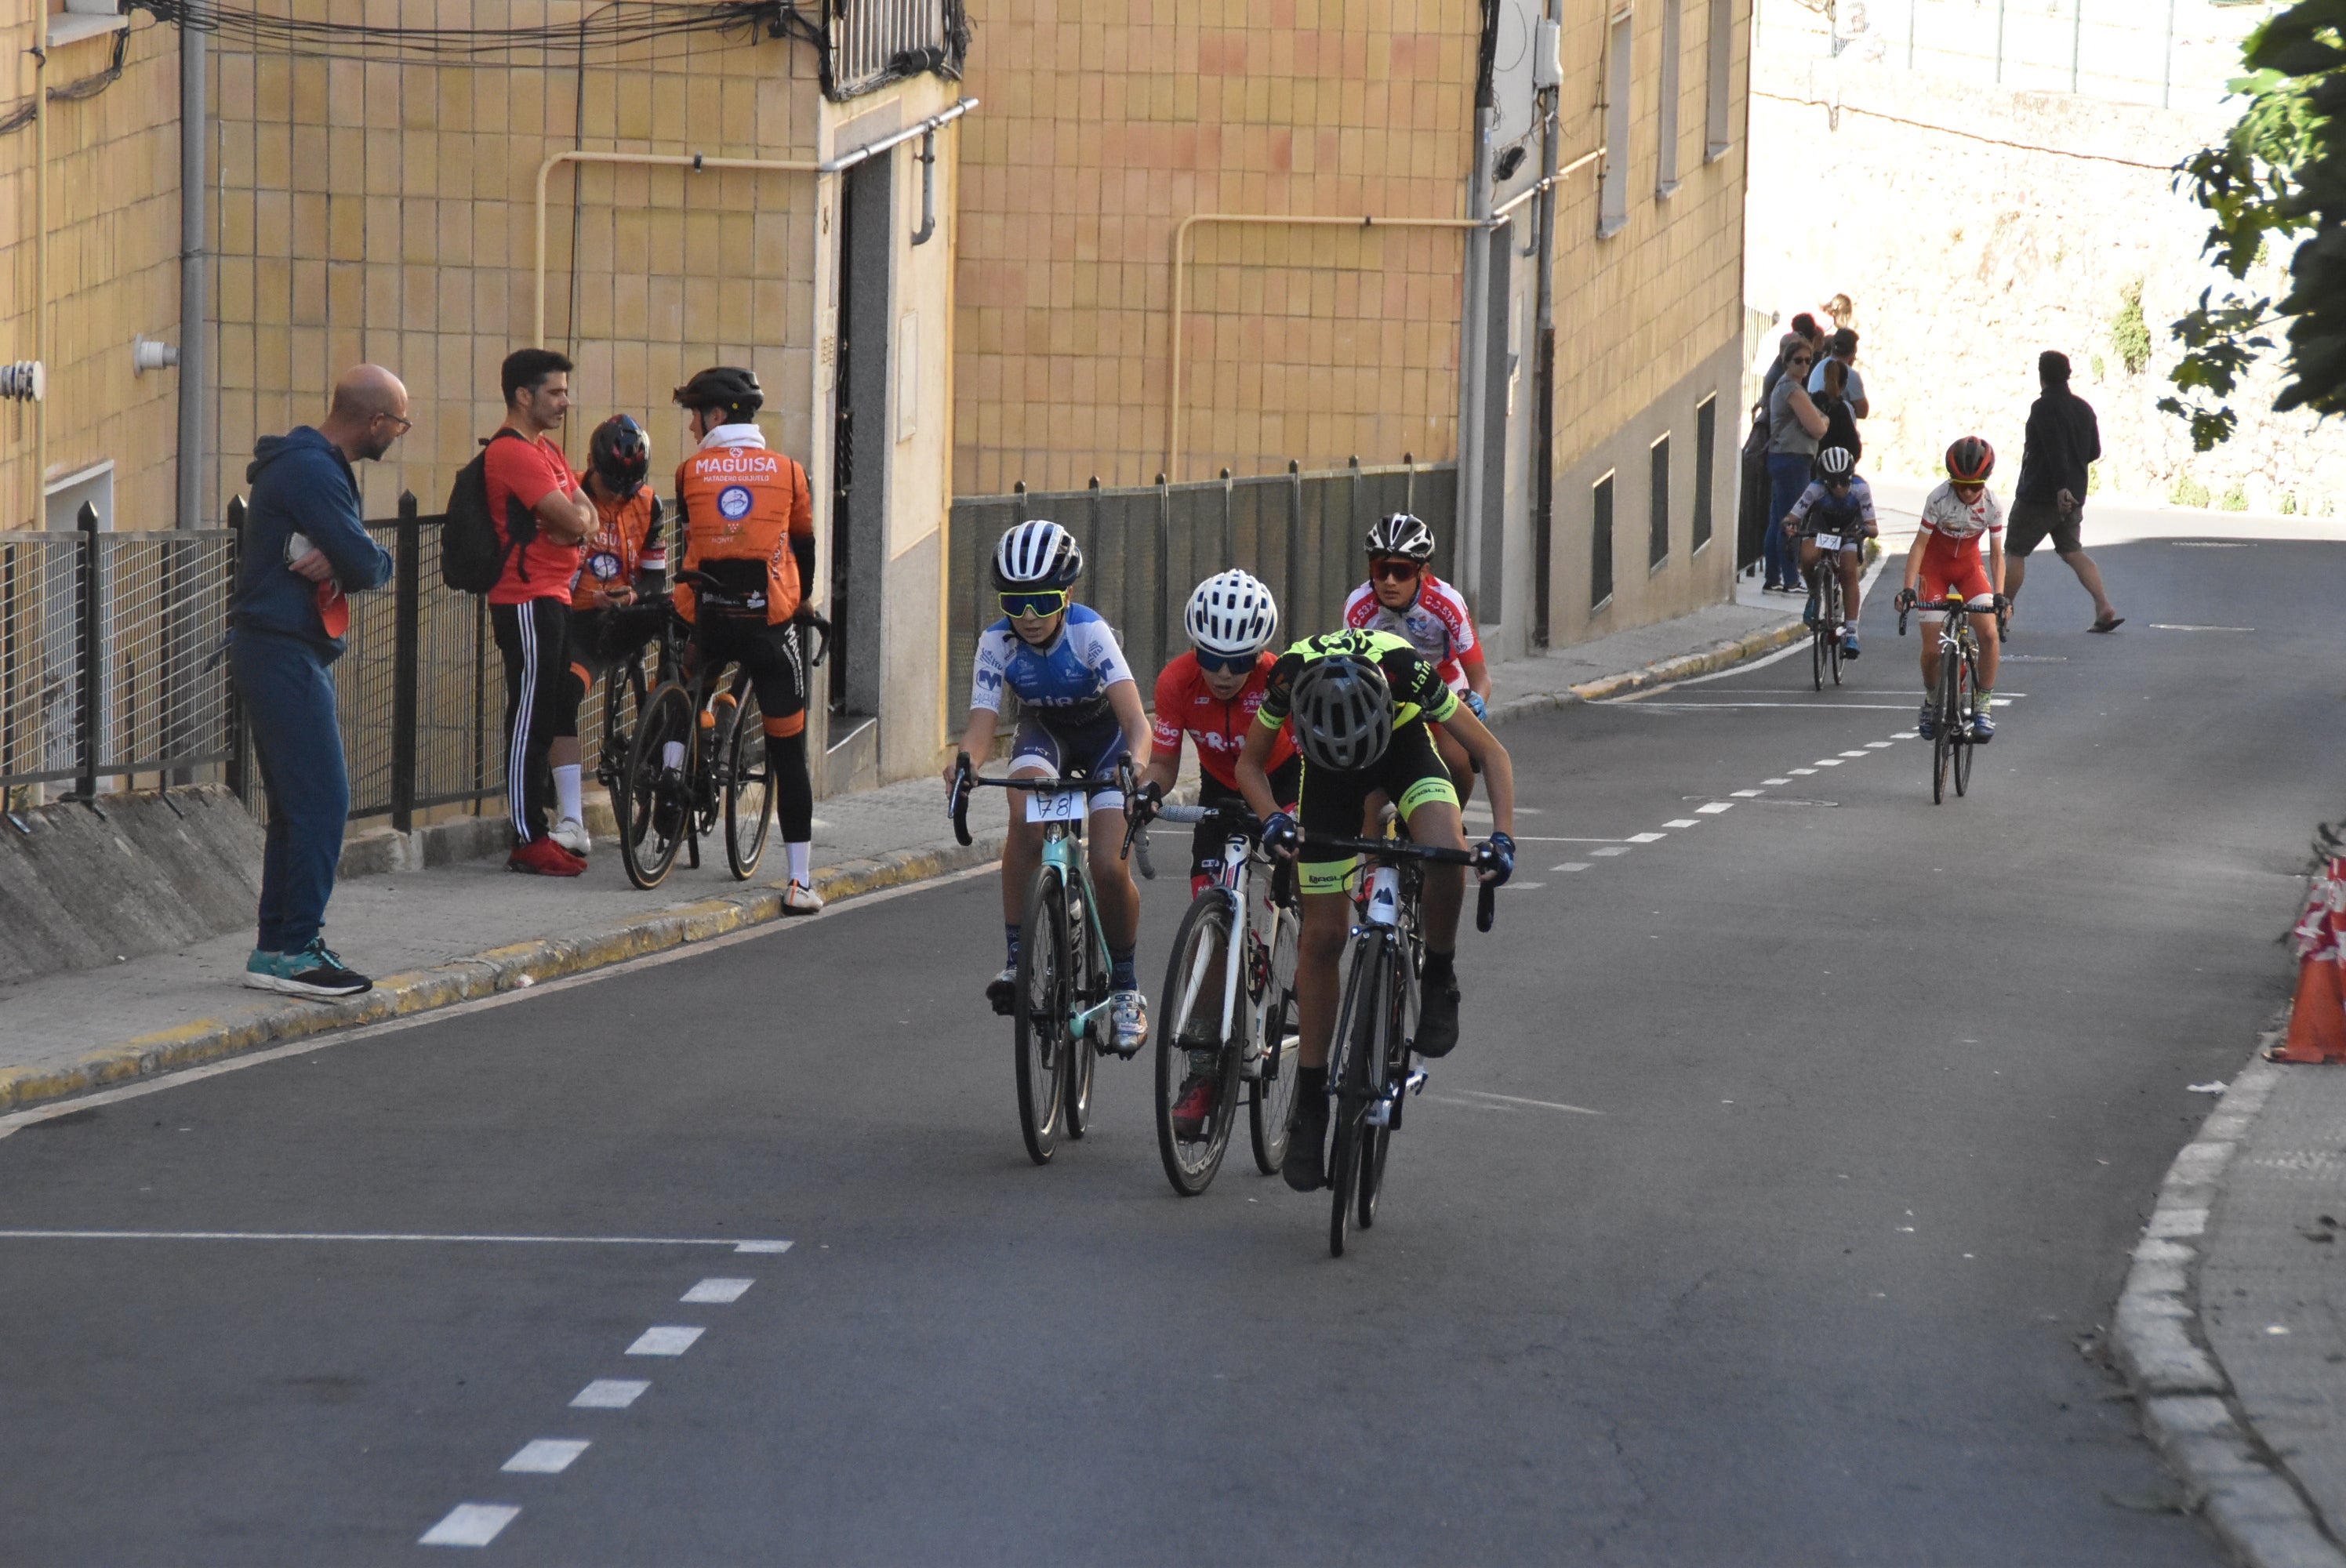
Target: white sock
566,791
800,855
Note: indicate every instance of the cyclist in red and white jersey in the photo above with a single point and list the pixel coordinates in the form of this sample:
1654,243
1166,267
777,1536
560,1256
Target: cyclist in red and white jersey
1956,518
1402,598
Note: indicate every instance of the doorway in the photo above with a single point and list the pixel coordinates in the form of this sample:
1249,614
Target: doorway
859,510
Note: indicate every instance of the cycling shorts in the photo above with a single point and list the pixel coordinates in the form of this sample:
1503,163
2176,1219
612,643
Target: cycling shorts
1087,748
1411,773
1968,576
1208,840
771,654
602,638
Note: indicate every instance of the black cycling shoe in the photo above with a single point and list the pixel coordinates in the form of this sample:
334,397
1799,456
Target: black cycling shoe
1306,1164
1437,1022
1003,990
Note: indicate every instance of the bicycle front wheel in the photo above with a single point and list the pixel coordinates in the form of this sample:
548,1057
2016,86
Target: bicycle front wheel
1361,1030
1390,1065
1273,1102
654,805
1193,1059
749,789
622,702
1817,654
1043,1007
1964,746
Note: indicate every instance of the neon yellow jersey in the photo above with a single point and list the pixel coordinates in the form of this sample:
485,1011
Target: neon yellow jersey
1420,694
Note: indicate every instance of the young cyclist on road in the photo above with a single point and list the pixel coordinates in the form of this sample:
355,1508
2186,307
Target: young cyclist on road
1213,692
1836,502
1080,714
1360,704
625,561
746,518
1946,554
1402,598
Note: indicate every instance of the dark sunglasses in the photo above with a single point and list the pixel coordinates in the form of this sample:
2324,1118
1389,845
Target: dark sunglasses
1395,568
1226,664
1035,602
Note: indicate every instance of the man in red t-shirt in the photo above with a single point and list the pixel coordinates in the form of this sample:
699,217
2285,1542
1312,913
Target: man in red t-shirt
542,517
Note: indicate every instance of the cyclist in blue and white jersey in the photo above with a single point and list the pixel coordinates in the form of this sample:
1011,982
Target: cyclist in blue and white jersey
1080,713
1840,503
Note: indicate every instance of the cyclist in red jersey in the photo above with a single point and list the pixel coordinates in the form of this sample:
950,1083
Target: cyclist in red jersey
1956,516
1212,694
1402,598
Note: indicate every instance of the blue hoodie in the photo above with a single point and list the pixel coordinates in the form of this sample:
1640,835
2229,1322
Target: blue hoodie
301,484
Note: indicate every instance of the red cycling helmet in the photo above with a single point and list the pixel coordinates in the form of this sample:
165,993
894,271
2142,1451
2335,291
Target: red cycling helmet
1970,460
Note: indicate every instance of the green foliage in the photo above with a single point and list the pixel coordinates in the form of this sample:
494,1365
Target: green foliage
2188,492
2093,477
2129,334
2100,369
2279,171
2235,499
2288,505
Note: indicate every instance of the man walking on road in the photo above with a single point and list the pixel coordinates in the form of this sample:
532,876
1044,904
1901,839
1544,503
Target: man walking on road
2064,438
542,517
305,546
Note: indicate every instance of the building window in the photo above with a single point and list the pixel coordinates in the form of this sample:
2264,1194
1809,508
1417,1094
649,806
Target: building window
1600,544
1657,515
1706,467
1666,109
1721,47
1613,192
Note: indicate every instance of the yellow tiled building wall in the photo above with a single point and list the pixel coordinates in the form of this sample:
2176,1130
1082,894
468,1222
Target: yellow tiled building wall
1104,123
114,245
387,212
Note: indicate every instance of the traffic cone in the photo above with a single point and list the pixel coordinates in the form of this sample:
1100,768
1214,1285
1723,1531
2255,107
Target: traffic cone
2317,1024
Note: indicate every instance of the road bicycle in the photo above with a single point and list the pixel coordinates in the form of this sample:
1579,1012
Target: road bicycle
1369,1073
1228,1023
1059,1011
1824,646
696,756
1959,660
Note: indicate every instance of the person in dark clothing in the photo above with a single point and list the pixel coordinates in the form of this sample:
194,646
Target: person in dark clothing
305,546
2062,438
1832,401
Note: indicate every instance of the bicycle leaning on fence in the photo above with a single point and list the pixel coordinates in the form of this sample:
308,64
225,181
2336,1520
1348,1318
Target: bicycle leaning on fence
1959,659
1059,1011
1228,1023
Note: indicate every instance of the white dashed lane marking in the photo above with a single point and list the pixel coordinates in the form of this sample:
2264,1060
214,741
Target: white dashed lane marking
1616,850
545,1456
670,1340
1647,837
1685,821
1571,866
609,1394
719,1291
1716,806
470,1524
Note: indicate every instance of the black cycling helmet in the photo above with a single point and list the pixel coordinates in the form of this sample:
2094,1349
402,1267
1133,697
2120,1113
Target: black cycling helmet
731,389
1342,711
620,454
1401,534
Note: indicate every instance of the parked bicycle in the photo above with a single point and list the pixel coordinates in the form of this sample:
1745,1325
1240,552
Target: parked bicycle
1059,1012
1370,1074
1226,1028
1951,724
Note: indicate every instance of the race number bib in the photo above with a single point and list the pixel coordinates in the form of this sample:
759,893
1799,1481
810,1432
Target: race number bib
1055,805
1828,541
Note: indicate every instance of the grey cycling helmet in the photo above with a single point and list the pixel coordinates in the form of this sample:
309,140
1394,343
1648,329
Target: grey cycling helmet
1342,711
1401,534
1232,614
1036,554
1835,461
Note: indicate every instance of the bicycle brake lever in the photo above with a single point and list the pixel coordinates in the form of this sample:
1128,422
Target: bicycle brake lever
1486,907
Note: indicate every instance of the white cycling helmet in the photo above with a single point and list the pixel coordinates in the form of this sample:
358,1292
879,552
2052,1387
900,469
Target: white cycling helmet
1037,553
1232,614
1835,460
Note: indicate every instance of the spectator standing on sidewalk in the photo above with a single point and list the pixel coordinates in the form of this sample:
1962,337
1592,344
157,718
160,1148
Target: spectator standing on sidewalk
1840,348
1794,425
541,517
2064,439
1804,329
305,546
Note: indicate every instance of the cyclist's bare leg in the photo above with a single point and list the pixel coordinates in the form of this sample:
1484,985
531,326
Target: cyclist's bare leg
1119,901
1991,652
1454,757
1849,560
1435,825
1022,853
1319,950
1930,653
1808,564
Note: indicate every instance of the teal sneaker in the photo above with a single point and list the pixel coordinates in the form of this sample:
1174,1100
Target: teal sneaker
262,971
315,971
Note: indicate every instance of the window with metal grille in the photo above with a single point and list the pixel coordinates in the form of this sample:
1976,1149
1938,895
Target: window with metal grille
1706,466
876,40
1600,544
1658,507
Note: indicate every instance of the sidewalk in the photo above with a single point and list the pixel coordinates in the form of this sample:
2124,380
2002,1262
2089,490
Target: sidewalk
458,932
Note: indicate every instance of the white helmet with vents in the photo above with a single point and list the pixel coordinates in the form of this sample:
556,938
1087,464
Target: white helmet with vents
1037,553
1232,614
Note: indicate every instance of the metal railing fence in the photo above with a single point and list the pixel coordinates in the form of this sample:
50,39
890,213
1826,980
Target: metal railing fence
875,41
1145,549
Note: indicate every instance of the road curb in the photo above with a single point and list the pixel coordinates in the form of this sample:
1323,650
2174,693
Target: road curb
1702,661
2184,1399
482,974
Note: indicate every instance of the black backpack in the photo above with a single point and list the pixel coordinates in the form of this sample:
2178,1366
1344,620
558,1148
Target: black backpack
471,558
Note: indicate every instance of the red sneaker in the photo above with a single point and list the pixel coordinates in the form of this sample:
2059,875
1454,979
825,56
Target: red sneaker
544,858
1190,1111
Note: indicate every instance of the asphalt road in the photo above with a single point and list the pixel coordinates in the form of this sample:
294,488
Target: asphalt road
1769,1212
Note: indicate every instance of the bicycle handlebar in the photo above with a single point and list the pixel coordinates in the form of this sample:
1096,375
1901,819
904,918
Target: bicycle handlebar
965,779
1486,902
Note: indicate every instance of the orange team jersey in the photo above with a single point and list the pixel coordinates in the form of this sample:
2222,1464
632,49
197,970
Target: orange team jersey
1184,706
738,507
625,545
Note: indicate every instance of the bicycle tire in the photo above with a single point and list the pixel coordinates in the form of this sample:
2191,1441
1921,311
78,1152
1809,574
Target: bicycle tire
1359,1022
1272,1104
1085,990
1040,1015
655,809
748,790
1393,1064
1964,743
1817,654
623,703
1193,993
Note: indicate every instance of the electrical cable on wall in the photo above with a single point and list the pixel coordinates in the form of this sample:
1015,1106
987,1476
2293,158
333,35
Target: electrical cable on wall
619,23
19,115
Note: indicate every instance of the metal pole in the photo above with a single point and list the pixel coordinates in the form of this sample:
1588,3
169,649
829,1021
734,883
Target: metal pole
1164,568
1230,524
1914,9
1473,335
41,262
1544,365
1294,584
1999,41
93,649
2077,37
407,615
2167,75
238,778
195,367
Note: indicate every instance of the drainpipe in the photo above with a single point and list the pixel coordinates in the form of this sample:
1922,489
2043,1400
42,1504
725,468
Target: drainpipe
40,518
1473,333
194,269
1544,353
928,161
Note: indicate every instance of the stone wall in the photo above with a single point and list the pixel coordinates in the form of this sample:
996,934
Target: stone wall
1973,226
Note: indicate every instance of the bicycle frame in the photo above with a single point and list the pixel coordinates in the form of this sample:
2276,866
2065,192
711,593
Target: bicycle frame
1062,848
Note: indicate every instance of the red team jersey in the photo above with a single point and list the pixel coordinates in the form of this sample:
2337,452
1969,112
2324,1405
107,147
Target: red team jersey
1955,530
1184,706
1436,623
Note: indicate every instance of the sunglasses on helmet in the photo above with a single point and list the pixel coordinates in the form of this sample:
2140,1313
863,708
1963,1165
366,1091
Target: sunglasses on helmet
1039,602
1395,568
1226,664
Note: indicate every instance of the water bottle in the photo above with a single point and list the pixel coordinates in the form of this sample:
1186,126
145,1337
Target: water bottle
1384,896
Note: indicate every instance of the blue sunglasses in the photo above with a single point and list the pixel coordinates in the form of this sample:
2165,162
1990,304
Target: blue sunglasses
1226,664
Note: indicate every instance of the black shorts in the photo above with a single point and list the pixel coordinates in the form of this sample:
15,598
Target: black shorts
1208,840
2030,523
1067,747
771,655
604,638
1411,773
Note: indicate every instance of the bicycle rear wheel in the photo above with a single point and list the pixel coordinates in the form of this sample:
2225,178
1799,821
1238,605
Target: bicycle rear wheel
1040,1029
748,789
1391,1069
1272,1104
1088,968
654,805
1190,1046
1817,654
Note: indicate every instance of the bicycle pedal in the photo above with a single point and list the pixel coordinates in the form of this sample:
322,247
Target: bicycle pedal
1415,1082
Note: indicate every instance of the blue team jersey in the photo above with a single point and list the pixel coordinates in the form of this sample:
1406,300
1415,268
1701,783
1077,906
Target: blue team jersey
1074,670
